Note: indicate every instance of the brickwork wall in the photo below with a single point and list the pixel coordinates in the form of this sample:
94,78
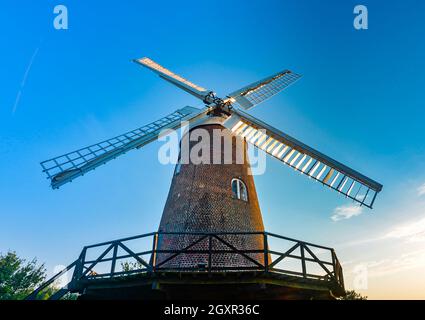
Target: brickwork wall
201,200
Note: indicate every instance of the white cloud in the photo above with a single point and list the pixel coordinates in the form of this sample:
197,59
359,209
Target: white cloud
359,242
421,190
411,232
346,212
407,261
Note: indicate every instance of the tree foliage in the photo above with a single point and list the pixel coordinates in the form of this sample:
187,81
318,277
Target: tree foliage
19,278
130,266
353,295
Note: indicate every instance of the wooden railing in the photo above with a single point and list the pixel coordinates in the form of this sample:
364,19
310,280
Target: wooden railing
121,258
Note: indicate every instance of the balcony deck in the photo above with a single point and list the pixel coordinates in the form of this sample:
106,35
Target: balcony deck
130,269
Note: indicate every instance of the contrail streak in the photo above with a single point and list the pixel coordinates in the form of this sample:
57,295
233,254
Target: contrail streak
24,80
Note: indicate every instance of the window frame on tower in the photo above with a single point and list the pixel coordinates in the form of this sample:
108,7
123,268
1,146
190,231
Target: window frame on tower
239,189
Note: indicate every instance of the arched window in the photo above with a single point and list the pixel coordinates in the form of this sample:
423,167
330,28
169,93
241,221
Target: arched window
239,190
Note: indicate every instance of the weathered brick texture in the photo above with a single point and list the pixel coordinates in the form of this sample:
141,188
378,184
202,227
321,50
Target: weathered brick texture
201,200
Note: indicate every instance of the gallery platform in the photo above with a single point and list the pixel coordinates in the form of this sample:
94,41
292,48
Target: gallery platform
134,268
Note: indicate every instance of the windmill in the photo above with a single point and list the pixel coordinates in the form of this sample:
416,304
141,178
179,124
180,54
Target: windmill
218,197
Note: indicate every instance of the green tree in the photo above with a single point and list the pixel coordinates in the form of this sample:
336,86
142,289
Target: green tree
130,266
353,295
19,278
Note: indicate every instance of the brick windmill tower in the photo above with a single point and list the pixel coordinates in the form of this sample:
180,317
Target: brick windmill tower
216,196
212,204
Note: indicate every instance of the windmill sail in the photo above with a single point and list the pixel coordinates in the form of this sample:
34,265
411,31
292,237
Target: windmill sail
67,167
259,91
175,79
304,159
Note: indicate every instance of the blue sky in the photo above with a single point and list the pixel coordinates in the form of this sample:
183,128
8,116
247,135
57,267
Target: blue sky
360,101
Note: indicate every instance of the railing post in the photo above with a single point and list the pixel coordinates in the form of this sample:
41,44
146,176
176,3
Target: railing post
266,252
79,268
114,259
334,265
209,253
154,247
341,276
303,260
